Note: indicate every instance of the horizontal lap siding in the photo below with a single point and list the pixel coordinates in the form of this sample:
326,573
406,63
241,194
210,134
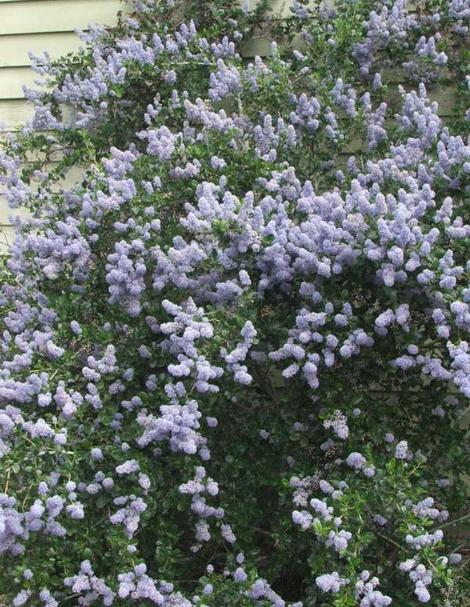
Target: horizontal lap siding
14,112
39,25
40,16
14,47
12,80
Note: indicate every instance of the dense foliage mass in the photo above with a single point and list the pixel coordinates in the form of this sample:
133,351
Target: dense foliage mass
235,353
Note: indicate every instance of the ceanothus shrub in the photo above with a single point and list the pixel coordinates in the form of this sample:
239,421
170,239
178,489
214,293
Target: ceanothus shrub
234,355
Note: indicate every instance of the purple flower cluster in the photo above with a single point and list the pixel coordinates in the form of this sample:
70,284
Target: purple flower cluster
366,591
420,576
330,582
88,587
222,291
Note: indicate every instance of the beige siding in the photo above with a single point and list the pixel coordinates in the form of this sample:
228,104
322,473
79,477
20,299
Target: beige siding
14,111
39,25
38,16
14,48
12,79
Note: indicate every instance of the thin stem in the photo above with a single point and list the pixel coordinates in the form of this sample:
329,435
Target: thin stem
455,520
388,539
8,480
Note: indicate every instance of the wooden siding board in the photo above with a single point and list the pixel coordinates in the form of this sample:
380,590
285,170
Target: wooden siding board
14,48
14,112
32,16
12,80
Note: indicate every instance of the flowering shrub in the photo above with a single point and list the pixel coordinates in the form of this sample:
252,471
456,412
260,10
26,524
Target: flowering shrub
235,354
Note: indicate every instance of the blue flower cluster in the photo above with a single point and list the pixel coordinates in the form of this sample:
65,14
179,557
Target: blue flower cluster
235,353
